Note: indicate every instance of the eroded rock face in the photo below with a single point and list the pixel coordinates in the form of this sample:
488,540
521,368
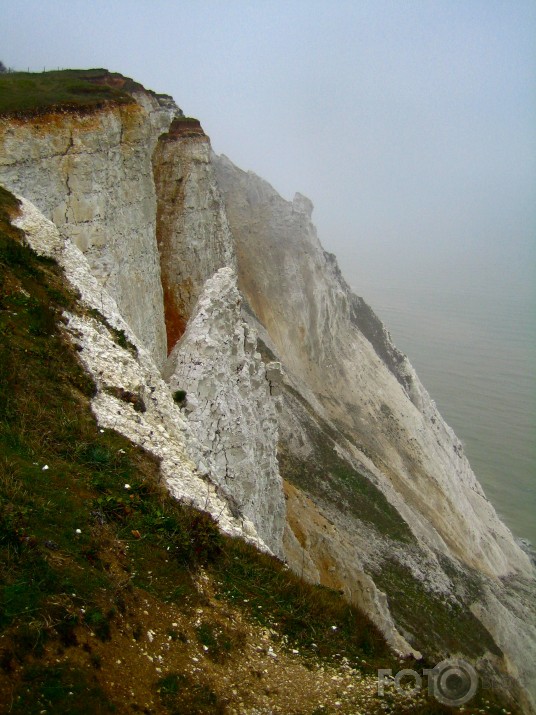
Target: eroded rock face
92,175
229,404
331,342
192,230
132,187
152,420
392,503
322,553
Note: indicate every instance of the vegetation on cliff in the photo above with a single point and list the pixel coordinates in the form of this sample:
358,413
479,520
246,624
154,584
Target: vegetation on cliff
116,598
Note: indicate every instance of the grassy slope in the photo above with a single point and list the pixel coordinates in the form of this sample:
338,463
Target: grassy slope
58,584
28,93
434,625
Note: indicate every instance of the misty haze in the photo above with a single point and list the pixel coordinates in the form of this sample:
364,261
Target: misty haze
268,416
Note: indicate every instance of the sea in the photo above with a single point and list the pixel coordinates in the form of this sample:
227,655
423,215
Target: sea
475,353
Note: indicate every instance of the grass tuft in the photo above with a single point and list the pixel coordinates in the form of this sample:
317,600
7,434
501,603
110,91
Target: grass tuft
179,396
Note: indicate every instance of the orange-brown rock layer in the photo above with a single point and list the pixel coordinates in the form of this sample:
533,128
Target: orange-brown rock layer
191,226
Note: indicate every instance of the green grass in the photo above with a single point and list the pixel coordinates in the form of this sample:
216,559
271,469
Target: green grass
28,93
314,618
119,336
11,252
62,527
440,627
327,475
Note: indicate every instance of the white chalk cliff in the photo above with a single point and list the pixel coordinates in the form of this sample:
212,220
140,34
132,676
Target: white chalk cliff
91,174
229,404
148,416
331,341
340,462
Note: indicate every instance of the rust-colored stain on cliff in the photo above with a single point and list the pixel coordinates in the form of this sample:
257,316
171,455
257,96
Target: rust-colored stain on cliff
81,120
174,317
309,527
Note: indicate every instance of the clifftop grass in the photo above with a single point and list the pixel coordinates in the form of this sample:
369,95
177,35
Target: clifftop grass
25,94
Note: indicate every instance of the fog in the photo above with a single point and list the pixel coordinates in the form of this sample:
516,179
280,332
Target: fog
411,126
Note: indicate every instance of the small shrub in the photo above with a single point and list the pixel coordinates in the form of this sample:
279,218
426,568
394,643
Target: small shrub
112,508
66,630
31,640
179,396
191,536
13,254
122,340
206,538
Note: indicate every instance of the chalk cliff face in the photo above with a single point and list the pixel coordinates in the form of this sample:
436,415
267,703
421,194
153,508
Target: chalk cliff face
340,463
131,398
379,492
192,231
132,187
91,174
228,404
332,341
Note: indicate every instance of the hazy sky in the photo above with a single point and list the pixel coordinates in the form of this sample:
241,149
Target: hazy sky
410,124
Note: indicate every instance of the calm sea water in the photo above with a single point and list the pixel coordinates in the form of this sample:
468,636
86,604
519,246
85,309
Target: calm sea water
476,356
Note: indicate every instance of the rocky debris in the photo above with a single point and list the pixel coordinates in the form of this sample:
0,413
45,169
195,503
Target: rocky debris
256,672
